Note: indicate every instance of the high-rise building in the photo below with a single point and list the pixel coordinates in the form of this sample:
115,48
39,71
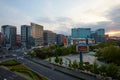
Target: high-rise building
100,32
49,37
81,32
8,36
80,35
37,34
60,39
98,35
25,35
86,36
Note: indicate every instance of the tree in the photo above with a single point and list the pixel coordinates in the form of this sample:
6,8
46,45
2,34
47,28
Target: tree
102,70
58,51
94,68
50,60
112,70
81,66
70,64
56,59
99,53
72,49
107,44
75,64
87,66
109,54
32,53
64,50
92,48
60,61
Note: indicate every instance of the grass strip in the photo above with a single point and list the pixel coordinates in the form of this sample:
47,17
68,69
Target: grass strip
13,65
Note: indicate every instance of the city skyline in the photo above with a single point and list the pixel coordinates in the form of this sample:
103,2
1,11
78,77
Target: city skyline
61,16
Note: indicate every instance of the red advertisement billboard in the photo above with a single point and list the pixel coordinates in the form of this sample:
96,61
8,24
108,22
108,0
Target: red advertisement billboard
82,48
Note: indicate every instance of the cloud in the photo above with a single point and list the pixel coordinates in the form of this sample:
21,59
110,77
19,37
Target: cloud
89,14
64,24
13,16
45,20
54,19
57,24
113,23
114,15
94,26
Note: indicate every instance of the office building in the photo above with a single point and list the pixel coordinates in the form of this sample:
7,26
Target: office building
36,34
80,35
100,32
86,36
25,36
8,36
81,32
49,37
59,39
98,35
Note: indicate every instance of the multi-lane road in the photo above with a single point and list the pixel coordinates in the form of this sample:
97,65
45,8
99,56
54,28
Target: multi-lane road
8,75
75,73
49,73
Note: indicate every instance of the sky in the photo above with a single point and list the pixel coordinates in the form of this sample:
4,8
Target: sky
62,15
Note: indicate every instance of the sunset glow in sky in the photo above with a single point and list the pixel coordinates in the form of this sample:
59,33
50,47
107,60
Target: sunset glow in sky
113,33
62,15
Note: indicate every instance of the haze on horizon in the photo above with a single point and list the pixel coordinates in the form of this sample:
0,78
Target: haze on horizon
62,15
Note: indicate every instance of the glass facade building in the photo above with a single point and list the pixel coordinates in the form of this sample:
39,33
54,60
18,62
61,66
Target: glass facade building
99,35
25,35
86,33
8,36
100,32
81,32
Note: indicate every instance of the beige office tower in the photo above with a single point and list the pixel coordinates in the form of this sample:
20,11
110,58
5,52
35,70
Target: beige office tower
37,34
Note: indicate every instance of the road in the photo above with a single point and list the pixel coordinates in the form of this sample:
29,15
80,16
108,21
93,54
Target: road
49,73
5,59
8,75
65,70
